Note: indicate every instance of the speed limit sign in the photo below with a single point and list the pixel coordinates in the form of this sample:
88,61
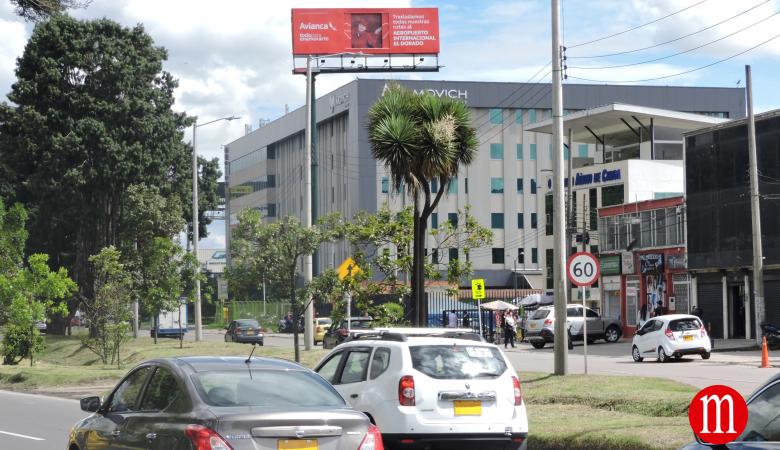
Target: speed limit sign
583,269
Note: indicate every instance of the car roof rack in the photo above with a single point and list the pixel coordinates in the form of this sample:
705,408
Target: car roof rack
451,333
376,335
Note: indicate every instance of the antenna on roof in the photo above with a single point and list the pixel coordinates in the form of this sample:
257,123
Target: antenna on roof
249,359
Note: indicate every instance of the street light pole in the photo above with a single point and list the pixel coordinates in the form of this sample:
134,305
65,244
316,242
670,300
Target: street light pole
195,225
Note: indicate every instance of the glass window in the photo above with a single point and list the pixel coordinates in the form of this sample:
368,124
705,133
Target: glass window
496,151
531,116
549,152
435,220
593,207
385,185
260,387
519,116
498,255
453,254
573,312
548,214
533,220
566,152
329,368
496,185
520,223
534,255
125,397
496,115
520,185
452,187
533,185
466,185
355,367
520,256
591,313
582,150
457,362
532,151
435,255
434,185
453,219
519,151
497,221
660,227
611,195
763,417
380,362
162,391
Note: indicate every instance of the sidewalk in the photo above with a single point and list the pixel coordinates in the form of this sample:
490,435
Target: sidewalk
734,345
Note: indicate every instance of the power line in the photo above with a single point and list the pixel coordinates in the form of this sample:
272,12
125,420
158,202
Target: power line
638,26
671,40
680,73
678,53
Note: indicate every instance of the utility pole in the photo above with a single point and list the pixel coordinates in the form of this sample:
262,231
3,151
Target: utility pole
755,211
559,204
308,317
195,231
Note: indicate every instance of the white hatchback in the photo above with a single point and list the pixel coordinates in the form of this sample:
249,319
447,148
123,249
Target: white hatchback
431,391
673,335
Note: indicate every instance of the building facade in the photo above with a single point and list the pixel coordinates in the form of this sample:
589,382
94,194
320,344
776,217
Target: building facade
720,244
505,186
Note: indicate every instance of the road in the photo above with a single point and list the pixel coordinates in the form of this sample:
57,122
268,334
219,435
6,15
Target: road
33,422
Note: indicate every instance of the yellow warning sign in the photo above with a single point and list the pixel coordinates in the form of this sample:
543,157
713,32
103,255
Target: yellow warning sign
348,268
478,289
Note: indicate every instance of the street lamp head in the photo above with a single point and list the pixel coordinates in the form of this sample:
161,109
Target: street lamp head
232,118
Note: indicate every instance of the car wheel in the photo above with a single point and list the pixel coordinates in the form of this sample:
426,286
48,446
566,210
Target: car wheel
612,334
705,355
591,341
260,343
662,356
636,355
538,344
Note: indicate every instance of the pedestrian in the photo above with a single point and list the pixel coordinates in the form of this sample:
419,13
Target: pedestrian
509,330
466,320
697,311
444,319
659,309
453,320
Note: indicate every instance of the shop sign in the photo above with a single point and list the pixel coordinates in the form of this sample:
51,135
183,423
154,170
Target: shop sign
604,176
631,291
677,261
651,262
627,263
610,265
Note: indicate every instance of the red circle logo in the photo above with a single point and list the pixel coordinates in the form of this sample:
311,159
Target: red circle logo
718,414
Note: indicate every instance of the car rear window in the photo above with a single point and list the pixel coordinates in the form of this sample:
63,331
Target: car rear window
358,324
456,362
260,388
684,324
540,314
248,323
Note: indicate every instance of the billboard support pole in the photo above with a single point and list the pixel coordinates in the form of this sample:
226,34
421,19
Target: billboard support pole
308,319
755,210
559,203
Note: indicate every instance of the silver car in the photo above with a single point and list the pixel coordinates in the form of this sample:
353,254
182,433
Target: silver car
222,403
540,326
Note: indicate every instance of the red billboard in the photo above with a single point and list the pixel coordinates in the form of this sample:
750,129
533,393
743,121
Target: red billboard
365,30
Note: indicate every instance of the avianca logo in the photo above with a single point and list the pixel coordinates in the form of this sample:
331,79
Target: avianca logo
317,26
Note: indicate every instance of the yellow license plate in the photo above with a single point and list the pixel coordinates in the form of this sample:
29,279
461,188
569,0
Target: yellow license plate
532,326
250,333
296,444
687,338
468,407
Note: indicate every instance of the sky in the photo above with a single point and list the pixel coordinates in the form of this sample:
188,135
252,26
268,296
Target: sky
233,57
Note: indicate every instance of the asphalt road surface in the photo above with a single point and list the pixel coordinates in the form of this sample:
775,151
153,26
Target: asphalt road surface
33,422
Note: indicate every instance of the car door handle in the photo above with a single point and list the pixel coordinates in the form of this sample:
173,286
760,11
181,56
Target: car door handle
151,436
116,433
353,396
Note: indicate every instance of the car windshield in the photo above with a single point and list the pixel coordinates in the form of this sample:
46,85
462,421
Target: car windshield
684,324
455,362
248,323
260,388
540,314
323,321
357,324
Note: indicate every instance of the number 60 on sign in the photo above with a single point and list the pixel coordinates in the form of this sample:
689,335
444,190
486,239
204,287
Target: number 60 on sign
583,269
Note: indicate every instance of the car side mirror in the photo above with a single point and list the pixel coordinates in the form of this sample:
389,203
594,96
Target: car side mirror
90,404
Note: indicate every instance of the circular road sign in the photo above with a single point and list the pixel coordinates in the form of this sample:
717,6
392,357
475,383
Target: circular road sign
583,269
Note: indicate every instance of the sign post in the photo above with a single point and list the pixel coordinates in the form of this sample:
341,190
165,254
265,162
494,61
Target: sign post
347,269
478,293
583,269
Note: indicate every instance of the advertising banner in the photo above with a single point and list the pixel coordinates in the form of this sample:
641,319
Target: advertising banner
610,265
651,263
365,30
627,263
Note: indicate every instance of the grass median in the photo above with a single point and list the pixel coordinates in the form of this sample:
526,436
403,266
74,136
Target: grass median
572,412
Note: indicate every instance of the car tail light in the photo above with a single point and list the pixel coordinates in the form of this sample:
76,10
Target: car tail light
669,334
204,438
406,391
373,439
703,332
548,323
518,392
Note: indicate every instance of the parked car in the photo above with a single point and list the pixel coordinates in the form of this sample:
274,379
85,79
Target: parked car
321,325
431,391
762,430
673,335
540,326
222,403
338,333
41,326
245,331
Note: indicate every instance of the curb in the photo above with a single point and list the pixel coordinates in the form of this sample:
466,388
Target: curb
750,348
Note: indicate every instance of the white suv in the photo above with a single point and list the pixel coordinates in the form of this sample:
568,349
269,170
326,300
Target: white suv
445,391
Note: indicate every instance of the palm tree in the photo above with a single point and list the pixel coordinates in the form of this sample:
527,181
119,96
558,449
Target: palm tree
419,138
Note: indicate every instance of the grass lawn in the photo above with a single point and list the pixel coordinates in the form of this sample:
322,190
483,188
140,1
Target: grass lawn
573,412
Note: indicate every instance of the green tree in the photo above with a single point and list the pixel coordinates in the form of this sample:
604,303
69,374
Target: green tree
93,118
275,249
109,314
13,236
36,10
159,280
421,138
31,294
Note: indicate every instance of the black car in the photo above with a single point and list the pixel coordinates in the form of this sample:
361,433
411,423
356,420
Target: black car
763,425
244,330
210,402
337,333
